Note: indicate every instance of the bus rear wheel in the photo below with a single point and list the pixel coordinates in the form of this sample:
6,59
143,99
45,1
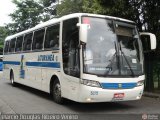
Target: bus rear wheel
57,92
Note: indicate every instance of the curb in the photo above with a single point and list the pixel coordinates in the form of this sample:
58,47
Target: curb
151,95
5,108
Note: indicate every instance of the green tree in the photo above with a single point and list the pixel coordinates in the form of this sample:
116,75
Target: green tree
49,8
29,13
152,16
93,6
3,34
69,6
26,16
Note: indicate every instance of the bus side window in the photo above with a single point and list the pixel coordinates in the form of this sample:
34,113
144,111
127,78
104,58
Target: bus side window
6,47
38,39
70,50
52,37
27,42
19,44
12,45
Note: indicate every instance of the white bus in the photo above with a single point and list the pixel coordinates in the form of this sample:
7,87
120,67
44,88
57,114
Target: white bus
82,57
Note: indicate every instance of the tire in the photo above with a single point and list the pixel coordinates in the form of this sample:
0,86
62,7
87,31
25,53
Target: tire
12,80
57,92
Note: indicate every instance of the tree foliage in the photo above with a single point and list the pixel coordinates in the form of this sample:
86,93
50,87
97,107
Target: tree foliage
26,16
152,16
49,9
29,13
69,6
3,34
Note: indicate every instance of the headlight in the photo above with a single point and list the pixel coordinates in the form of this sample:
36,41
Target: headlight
90,83
140,83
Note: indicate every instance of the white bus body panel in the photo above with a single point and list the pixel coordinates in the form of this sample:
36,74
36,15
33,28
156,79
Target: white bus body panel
35,75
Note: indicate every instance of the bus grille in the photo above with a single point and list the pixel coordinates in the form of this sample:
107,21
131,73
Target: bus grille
118,85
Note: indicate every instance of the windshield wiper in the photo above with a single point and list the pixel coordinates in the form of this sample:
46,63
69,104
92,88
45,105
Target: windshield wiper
126,60
117,56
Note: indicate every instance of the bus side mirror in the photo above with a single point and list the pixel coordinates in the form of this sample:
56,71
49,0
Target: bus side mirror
83,32
148,41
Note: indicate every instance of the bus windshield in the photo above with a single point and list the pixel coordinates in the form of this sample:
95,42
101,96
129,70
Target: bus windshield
112,48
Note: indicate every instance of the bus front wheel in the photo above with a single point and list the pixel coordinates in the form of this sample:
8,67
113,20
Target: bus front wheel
12,79
57,92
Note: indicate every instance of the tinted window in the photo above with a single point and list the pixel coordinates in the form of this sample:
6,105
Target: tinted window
52,37
12,45
38,39
19,44
6,47
27,42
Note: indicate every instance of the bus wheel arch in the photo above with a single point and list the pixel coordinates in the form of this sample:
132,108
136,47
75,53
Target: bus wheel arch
55,90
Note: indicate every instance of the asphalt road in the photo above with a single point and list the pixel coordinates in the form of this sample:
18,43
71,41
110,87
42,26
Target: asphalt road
26,100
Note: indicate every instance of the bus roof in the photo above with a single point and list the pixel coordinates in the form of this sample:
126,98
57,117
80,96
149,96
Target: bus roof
56,20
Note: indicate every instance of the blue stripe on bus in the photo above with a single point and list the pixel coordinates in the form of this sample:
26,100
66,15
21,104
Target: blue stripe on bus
11,62
44,64
36,64
118,85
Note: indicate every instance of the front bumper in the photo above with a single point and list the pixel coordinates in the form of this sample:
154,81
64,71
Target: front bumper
94,94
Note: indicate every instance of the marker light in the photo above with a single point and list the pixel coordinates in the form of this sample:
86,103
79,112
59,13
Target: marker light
88,99
86,20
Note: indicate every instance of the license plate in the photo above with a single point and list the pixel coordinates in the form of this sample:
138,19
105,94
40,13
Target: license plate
118,96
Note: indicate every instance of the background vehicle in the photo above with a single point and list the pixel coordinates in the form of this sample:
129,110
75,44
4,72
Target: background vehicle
1,62
82,57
